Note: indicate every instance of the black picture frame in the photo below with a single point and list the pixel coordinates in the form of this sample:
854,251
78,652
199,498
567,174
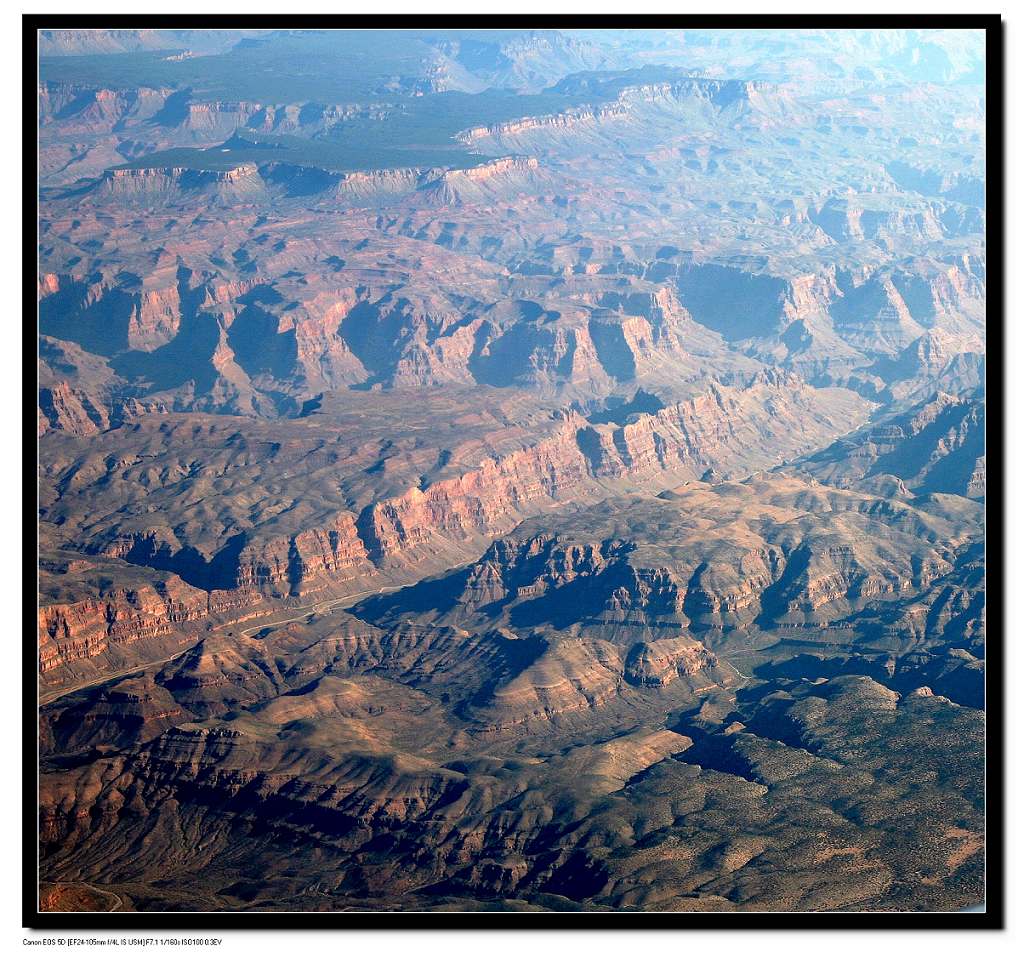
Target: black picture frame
992,918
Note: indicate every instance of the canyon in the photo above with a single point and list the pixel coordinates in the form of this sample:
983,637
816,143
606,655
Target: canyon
511,470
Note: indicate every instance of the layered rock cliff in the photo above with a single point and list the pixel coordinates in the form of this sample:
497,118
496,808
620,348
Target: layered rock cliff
937,446
784,553
767,421
447,520
151,184
91,628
